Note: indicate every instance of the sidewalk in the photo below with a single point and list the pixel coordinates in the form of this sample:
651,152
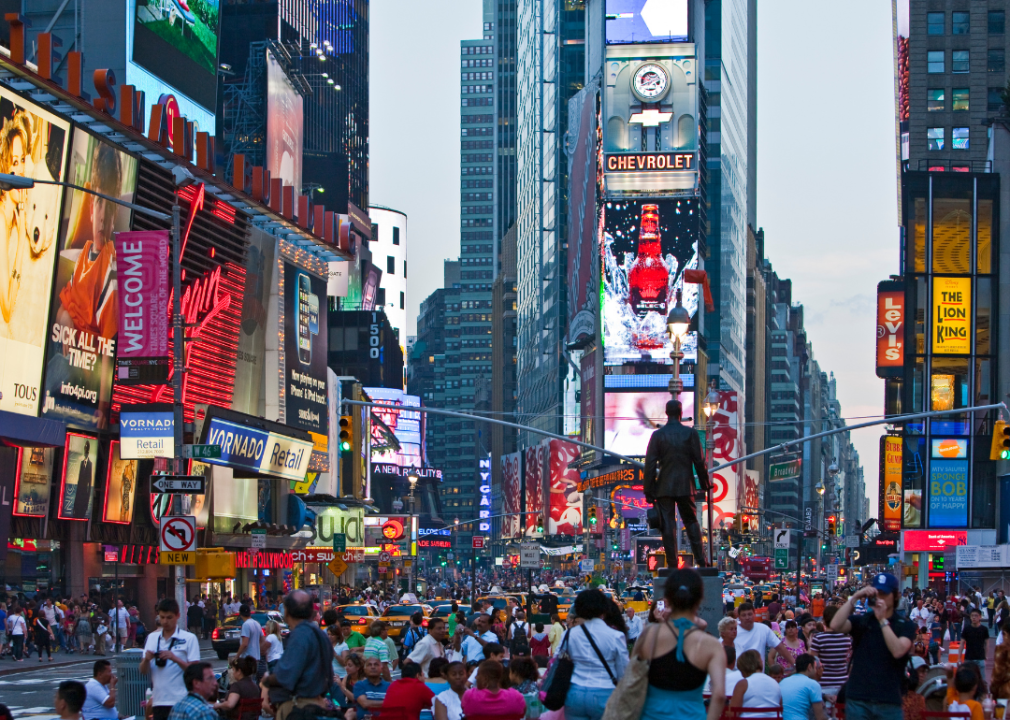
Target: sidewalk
61,659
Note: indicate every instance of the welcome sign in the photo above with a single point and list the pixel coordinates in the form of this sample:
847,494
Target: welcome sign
146,434
259,450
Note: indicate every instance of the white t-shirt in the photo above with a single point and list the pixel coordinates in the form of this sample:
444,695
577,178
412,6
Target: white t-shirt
921,616
426,650
120,618
451,701
762,692
760,638
93,708
18,626
167,681
276,648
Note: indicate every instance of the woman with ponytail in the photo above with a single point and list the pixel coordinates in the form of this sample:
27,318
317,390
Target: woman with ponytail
599,654
681,658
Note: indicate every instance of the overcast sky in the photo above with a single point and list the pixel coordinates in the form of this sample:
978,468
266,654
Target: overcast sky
826,193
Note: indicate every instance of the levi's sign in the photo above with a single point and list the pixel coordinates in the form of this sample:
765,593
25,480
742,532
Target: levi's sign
649,162
258,450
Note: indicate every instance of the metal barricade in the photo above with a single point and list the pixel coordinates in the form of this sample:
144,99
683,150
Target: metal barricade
132,685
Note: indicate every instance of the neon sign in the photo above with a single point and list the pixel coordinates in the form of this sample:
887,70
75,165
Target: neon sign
485,495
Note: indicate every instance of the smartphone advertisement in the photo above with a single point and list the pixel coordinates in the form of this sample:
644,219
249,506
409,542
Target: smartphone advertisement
305,350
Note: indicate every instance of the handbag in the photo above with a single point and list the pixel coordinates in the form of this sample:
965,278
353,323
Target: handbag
558,679
627,701
599,655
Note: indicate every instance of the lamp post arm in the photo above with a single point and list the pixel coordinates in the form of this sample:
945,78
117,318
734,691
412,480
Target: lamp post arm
165,217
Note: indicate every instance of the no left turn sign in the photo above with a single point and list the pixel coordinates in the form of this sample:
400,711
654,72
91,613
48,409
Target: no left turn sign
178,533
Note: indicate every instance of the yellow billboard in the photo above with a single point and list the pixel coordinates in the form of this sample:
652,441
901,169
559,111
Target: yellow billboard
892,483
951,315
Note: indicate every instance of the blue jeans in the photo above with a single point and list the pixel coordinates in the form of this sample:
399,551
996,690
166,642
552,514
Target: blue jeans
586,703
862,710
981,666
955,631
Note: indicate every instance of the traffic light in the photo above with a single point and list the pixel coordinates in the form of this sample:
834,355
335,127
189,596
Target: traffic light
592,515
1000,449
346,433
831,524
540,527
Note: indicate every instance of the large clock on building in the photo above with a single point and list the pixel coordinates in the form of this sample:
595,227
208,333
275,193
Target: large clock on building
650,82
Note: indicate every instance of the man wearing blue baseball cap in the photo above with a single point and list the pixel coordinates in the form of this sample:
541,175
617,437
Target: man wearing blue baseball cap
881,642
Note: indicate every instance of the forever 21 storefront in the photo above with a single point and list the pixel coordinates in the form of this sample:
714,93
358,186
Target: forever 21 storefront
76,507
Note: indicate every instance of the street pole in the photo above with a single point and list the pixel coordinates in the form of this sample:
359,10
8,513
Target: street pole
179,362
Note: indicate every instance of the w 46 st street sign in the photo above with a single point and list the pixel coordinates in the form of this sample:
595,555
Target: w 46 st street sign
179,484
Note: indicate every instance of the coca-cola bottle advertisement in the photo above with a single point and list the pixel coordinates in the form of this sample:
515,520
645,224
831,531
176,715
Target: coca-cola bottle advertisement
647,245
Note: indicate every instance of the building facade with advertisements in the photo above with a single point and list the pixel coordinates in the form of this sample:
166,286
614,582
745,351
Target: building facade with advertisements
84,424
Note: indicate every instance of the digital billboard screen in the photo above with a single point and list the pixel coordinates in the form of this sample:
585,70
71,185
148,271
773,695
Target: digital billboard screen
305,350
647,246
632,417
84,320
284,126
77,489
647,21
177,41
405,424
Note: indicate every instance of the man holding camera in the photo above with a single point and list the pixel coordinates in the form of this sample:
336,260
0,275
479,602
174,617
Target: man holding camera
173,650
675,448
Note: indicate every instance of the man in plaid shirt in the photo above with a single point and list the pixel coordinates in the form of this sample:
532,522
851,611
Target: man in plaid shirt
202,687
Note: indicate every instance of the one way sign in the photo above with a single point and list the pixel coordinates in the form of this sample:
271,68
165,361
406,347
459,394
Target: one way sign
180,484
782,539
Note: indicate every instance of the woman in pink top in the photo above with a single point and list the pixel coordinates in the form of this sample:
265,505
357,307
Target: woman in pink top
488,698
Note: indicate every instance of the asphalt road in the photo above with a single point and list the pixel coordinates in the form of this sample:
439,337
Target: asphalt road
30,694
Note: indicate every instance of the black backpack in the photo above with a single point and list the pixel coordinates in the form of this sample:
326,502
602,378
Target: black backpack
520,644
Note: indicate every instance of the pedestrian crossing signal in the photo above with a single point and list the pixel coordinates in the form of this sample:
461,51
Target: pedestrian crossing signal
1000,449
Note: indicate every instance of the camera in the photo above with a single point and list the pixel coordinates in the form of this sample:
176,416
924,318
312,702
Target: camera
160,662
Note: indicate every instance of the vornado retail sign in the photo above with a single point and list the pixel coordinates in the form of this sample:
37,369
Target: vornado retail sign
258,450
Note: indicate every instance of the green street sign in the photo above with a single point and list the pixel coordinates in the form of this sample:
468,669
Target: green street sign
339,542
781,559
202,452
786,470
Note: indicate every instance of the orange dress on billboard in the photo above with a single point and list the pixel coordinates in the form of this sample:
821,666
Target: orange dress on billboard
90,296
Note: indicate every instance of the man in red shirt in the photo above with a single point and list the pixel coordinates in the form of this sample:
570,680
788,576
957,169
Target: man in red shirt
409,693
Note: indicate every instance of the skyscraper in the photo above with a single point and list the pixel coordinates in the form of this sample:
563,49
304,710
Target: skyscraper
550,70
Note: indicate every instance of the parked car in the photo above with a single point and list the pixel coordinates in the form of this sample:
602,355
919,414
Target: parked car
225,638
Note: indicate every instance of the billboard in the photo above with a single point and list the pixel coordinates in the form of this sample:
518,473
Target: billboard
143,260
261,451
177,41
406,425
564,502
951,315
35,470
650,120
284,126
512,495
630,418
646,248
933,540
647,21
250,364
77,488
535,468
120,488
305,350
726,442
890,329
948,493
85,302
891,482
583,279
146,433
33,143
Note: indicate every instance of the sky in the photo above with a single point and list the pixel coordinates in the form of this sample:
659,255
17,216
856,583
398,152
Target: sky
826,196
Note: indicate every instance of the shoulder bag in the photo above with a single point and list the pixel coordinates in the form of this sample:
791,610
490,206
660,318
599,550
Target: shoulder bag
599,654
627,701
558,678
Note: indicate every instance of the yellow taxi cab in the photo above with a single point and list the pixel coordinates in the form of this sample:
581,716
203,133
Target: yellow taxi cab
498,602
397,617
361,616
566,598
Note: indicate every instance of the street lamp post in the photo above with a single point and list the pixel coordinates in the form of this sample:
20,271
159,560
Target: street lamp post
677,323
412,478
586,530
710,407
12,182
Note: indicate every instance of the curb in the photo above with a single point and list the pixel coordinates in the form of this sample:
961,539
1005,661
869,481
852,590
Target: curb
29,666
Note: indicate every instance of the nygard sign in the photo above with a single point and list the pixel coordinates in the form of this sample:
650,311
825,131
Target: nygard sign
649,162
951,315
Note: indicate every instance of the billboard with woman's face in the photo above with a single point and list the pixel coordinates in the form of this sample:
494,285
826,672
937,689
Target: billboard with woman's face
33,144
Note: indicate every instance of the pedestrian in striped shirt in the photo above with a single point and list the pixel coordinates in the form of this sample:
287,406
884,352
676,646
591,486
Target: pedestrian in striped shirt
834,650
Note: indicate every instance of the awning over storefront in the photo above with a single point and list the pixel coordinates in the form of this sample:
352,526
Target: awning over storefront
27,430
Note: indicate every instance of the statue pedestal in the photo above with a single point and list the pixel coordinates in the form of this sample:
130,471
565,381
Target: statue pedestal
711,609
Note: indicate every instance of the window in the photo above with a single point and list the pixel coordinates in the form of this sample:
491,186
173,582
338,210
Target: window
935,100
960,98
935,61
997,22
959,61
396,235
403,301
959,138
380,297
935,138
390,265
404,268
959,26
994,99
997,61
934,23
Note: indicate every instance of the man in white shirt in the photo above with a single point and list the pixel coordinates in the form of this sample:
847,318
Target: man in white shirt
920,615
474,642
166,655
634,627
100,703
430,646
757,636
119,623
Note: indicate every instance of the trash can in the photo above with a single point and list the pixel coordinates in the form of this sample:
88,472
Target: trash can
133,684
